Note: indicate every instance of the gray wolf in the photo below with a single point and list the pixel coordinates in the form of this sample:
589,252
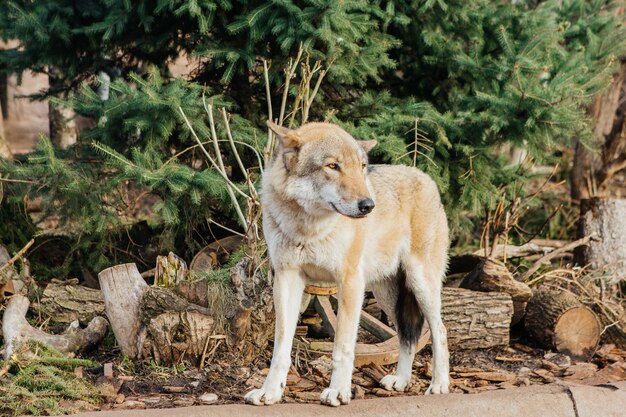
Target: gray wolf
329,216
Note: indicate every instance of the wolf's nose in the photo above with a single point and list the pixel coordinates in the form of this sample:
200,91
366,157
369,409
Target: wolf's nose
366,205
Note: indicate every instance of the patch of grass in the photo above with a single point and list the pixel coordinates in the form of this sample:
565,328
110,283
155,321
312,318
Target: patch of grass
39,380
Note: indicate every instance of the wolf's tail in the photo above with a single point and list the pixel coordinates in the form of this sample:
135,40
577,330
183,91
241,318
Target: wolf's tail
409,317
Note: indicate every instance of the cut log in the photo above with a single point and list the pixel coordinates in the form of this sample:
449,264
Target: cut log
604,219
122,288
557,320
493,276
66,301
16,331
476,320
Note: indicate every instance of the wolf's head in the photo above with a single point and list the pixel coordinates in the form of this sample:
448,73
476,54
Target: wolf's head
326,169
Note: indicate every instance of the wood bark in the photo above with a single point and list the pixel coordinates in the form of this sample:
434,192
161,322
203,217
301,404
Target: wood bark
122,290
557,320
215,253
596,164
605,220
63,130
170,270
5,150
476,320
251,316
176,329
493,276
65,301
16,331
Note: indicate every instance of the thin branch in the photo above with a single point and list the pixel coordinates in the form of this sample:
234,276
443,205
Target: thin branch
17,255
229,184
547,257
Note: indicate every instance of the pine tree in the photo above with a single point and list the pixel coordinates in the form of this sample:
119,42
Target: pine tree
440,84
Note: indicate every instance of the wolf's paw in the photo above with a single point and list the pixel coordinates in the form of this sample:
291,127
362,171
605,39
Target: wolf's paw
394,383
335,398
263,396
437,388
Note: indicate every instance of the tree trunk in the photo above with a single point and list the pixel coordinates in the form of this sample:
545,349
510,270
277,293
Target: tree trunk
5,151
592,172
557,320
63,130
493,276
605,220
476,320
122,289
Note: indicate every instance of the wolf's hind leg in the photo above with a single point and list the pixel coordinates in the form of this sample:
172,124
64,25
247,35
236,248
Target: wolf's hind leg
288,289
426,285
398,302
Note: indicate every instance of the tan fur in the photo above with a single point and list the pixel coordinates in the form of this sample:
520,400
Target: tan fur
316,232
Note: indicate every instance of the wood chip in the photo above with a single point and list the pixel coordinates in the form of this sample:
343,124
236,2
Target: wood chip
544,374
580,371
359,392
130,405
108,370
465,369
506,359
495,376
364,381
379,392
373,373
522,348
307,396
303,384
174,389
292,379
550,366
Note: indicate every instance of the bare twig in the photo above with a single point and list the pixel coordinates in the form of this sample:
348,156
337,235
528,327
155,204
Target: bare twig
580,242
17,255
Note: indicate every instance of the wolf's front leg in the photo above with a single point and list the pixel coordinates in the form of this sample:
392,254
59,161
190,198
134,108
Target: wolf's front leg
350,302
288,288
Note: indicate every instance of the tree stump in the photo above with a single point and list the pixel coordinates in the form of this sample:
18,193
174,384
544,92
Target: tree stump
122,288
476,320
557,320
175,327
605,219
493,276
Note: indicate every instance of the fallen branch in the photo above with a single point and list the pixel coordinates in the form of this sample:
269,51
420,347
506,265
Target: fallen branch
546,258
16,331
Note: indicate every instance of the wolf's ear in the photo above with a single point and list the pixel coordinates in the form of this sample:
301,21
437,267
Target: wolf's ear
367,145
286,137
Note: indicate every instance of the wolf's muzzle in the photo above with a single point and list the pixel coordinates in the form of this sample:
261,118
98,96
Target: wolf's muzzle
366,205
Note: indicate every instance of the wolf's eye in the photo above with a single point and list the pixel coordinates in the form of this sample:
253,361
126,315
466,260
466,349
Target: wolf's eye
364,165
333,165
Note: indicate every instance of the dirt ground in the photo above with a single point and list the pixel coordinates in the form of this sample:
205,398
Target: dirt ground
145,385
